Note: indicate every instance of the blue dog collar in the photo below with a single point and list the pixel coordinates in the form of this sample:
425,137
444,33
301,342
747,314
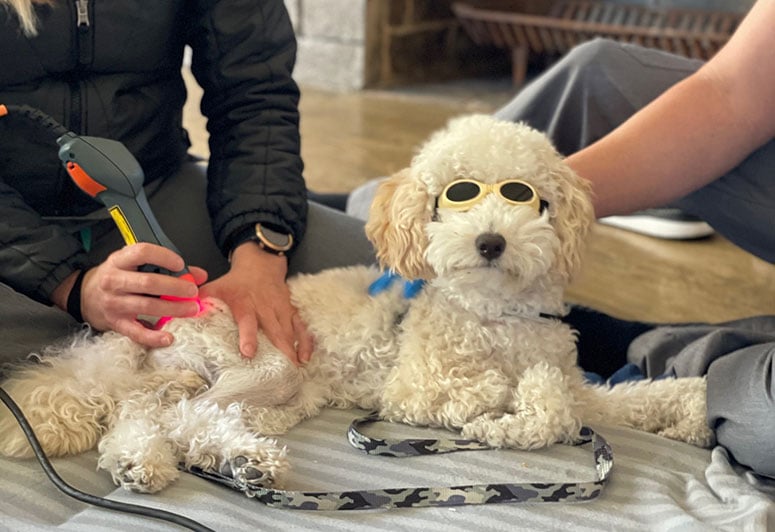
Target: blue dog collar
386,280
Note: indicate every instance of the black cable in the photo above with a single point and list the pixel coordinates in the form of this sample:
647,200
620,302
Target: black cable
40,118
67,489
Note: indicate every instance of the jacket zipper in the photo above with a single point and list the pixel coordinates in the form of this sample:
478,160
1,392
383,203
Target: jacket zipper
83,46
83,54
83,24
82,7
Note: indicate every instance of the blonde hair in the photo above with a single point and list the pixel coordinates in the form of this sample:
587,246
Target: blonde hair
23,9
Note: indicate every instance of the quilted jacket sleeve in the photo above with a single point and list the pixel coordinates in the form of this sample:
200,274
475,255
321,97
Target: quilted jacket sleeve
35,256
244,52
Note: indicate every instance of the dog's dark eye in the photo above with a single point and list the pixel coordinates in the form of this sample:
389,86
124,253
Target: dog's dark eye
462,191
516,192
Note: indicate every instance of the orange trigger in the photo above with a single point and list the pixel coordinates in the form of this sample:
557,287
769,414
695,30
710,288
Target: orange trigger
84,181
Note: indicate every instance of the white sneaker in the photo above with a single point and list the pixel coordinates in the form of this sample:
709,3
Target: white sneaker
668,223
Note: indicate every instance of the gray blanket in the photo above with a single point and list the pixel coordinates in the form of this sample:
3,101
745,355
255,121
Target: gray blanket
656,484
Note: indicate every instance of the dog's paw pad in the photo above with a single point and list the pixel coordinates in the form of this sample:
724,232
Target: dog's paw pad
142,478
247,473
126,473
253,474
130,477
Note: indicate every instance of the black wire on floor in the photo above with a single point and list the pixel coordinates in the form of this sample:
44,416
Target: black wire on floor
87,498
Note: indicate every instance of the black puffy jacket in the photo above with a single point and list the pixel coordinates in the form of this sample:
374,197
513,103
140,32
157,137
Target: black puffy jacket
114,71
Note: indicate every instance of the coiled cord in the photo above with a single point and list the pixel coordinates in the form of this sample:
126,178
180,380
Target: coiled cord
44,121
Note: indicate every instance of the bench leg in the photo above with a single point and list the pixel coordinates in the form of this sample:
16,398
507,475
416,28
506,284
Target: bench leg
519,65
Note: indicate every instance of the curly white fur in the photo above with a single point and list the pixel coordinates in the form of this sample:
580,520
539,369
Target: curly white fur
473,352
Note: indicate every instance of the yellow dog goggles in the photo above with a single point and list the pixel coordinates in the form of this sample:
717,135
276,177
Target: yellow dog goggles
462,194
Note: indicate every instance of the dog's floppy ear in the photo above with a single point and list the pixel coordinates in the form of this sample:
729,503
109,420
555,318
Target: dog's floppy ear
574,215
399,213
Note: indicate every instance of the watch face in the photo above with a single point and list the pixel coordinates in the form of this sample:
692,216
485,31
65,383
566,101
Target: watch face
273,240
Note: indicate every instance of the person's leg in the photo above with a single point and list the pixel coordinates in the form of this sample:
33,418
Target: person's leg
741,406
335,200
594,88
26,325
689,349
741,204
739,360
332,239
359,200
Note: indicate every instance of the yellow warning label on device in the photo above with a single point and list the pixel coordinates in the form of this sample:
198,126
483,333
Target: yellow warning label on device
123,225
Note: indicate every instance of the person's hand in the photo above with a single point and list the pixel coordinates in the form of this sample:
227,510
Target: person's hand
114,293
256,292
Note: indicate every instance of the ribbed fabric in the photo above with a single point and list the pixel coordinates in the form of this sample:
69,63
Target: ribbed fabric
656,484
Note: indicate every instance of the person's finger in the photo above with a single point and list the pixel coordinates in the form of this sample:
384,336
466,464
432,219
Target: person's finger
304,343
247,325
280,333
137,332
200,275
153,284
151,306
134,304
136,255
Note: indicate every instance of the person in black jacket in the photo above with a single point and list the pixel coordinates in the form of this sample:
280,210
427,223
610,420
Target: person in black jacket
113,69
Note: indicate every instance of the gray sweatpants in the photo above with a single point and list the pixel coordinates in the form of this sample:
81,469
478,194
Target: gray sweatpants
589,92
332,239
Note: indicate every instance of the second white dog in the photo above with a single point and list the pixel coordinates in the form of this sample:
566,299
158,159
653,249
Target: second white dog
493,221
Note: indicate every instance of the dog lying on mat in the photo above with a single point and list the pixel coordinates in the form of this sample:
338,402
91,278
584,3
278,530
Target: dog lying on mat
490,218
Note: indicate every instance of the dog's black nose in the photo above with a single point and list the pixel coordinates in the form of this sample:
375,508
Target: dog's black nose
490,245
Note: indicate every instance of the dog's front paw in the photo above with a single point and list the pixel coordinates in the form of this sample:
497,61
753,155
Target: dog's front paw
484,428
143,465
525,431
143,477
502,431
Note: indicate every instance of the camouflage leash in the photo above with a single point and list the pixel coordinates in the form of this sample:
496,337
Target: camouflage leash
425,497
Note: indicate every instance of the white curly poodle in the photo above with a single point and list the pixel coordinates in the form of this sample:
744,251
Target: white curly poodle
493,221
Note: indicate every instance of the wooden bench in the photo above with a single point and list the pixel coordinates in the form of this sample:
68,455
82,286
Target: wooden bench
552,27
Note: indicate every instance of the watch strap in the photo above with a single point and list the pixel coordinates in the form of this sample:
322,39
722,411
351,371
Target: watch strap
270,240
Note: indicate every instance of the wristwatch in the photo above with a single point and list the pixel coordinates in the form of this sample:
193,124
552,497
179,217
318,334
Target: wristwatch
270,240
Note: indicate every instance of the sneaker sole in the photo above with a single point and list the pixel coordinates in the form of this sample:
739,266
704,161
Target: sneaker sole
659,227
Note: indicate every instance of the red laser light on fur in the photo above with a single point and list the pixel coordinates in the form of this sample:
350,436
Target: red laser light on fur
165,319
